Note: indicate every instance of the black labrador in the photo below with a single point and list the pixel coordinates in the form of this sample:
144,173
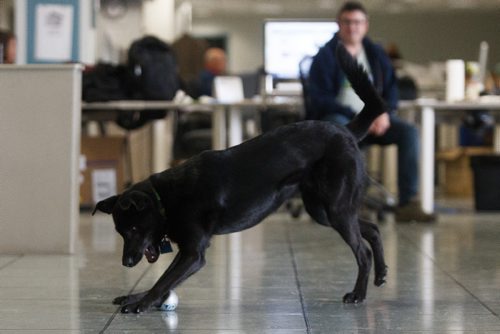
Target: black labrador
219,192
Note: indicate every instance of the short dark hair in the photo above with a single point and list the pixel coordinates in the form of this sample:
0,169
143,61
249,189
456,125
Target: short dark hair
351,6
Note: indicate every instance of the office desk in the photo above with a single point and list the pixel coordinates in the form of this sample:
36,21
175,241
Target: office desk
428,110
227,123
227,128
162,129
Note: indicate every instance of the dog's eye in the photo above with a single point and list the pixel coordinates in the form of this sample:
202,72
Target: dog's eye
134,228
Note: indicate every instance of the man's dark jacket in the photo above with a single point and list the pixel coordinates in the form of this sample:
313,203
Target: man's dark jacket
326,77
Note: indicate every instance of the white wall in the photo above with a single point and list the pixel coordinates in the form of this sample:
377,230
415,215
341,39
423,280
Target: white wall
440,36
244,37
158,17
422,37
114,35
5,10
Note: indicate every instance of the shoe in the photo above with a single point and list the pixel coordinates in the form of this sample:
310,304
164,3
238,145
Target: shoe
412,212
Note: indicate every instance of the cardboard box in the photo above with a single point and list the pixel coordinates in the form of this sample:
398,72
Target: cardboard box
102,168
457,180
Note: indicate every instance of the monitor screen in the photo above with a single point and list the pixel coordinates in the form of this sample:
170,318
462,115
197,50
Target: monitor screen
287,42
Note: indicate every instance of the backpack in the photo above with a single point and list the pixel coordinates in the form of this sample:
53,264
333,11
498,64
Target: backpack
104,82
152,75
152,69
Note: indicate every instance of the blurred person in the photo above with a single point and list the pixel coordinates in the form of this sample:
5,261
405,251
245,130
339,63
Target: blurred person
8,47
214,65
333,99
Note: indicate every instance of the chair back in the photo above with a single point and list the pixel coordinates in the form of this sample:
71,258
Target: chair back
304,67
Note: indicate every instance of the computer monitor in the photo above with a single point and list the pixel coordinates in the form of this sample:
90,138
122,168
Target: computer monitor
287,42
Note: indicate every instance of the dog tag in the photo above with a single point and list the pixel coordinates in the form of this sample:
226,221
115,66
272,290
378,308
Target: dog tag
165,246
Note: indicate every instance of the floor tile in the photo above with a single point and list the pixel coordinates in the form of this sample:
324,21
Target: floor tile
283,276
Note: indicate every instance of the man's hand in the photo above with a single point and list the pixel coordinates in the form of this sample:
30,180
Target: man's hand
380,125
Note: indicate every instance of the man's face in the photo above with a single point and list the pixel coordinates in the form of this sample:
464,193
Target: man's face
353,26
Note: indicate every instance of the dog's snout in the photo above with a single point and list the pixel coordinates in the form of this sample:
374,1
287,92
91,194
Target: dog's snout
128,261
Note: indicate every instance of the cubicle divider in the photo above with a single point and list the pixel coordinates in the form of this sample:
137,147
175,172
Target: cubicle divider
40,135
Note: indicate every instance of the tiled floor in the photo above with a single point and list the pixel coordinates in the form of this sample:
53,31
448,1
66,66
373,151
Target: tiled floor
284,277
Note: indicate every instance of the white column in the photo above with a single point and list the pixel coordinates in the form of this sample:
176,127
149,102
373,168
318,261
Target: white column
159,18
427,159
21,29
87,32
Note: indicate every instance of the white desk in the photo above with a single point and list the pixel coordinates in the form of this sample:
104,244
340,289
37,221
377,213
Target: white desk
428,110
226,117
162,129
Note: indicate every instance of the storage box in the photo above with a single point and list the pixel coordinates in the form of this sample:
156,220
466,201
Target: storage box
486,182
458,173
102,168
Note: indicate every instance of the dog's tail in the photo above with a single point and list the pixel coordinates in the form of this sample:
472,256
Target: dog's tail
374,105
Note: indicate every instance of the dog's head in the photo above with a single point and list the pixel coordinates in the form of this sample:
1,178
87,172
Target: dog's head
137,220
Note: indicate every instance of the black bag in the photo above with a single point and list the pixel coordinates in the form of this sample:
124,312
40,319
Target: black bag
104,82
153,70
408,89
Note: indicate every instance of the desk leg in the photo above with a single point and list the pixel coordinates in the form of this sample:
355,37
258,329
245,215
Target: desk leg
219,129
235,127
427,133
163,141
496,139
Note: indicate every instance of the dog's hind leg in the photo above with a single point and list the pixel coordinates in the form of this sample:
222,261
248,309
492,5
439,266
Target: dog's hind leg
370,233
314,206
348,227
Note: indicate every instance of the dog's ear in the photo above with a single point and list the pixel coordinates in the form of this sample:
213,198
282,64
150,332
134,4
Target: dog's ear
106,205
136,199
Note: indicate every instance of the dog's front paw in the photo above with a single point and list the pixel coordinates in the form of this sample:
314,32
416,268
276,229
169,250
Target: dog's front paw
353,298
123,300
138,307
120,300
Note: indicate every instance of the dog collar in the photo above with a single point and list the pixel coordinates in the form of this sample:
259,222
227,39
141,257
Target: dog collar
165,246
162,210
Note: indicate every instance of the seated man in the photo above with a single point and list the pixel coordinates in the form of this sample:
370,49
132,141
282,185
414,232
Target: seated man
333,99
215,64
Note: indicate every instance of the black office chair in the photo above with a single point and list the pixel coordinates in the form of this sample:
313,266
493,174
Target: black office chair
304,67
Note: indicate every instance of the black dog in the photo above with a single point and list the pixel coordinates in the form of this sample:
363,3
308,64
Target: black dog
218,192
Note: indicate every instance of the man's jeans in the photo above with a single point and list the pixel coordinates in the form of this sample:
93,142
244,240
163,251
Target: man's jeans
405,136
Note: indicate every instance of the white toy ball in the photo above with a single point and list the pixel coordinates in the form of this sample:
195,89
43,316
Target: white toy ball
171,320
171,302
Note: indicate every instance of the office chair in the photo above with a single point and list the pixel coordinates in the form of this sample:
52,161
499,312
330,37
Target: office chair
304,66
